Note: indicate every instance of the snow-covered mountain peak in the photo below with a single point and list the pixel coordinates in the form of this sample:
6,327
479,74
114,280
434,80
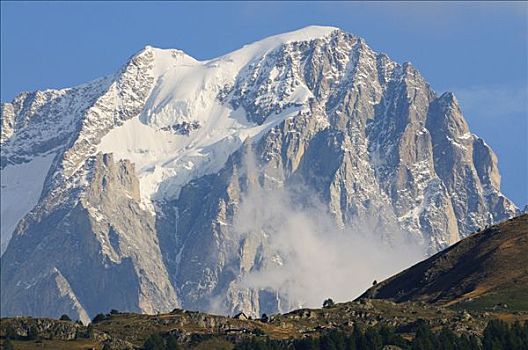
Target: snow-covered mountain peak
158,224
184,127
304,34
259,48
161,60
169,65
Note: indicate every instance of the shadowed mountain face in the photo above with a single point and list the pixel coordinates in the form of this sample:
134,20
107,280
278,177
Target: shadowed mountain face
233,184
485,270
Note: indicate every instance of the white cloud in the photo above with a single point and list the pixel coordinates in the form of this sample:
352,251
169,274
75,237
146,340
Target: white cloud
308,258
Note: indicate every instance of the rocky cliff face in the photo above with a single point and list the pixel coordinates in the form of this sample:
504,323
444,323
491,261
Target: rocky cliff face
98,250
315,114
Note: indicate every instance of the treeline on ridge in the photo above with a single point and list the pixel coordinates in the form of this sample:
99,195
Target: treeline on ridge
498,335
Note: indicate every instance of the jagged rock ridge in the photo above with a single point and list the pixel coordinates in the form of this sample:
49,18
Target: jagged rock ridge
151,227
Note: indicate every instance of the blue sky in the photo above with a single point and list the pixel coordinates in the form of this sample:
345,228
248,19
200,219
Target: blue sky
478,50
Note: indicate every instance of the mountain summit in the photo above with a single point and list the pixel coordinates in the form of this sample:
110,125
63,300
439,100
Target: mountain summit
178,182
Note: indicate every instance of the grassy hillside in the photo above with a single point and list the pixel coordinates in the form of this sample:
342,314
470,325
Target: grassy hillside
486,271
